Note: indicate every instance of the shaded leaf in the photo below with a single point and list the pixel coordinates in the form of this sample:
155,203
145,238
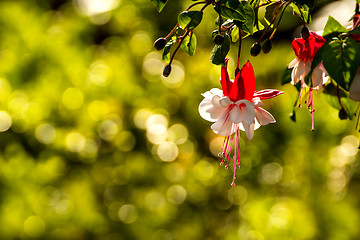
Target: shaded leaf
341,60
166,52
190,19
270,11
286,78
302,11
189,44
333,95
231,9
159,4
219,52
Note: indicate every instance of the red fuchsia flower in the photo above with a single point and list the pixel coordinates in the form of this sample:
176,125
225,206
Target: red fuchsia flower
305,50
236,107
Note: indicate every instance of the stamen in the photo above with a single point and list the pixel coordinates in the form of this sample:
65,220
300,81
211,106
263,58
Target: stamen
301,91
226,141
311,107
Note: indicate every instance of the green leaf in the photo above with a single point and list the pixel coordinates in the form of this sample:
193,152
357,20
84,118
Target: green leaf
189,44
219,52
302,11
166,52
234,34
333,95
159,4
333,27
248,25
190,19
341,60
231,9
286,78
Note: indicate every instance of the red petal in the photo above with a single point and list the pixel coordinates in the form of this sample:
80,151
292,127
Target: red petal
319,41
226,84
244,84
267,93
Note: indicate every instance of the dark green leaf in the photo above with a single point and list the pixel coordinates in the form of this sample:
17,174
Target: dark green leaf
166,53
231,10
159,4
286,76
190,19
189,44
219,52
248,25
341,60
333,95
309,3
333,27
302,11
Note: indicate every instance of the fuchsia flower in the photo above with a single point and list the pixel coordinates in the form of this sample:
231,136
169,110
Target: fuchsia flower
305,50
236,107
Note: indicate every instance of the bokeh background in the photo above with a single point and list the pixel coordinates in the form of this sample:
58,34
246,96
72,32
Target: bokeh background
96,144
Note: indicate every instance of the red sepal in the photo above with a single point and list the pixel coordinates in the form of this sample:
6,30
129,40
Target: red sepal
226,84
267,93
244,84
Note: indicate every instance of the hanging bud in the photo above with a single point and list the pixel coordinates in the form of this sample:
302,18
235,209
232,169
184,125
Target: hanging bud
305,33
160,43
255,49
343,114
167,70
266,46
219,39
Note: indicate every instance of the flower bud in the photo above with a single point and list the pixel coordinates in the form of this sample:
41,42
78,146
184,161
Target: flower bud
219,39
266,46
167,70
343,114
160,43
255,49
305,33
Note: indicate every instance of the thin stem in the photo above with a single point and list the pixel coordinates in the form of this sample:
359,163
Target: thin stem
178,46
239,50
278,23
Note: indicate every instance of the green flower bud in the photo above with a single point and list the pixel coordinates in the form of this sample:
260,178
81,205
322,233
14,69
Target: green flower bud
167,70
219,39
305,33
160,43
255,49
343,114
266,46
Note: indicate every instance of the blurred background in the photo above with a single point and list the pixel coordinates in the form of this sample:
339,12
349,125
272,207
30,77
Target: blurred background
96,144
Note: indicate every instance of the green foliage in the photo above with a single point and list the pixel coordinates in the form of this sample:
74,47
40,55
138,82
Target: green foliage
190,19
159,4
234,10
333,28
189,44
166,52
339,99
303,11
341,60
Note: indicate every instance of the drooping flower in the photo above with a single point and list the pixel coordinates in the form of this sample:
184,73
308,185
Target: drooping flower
236,107
305,50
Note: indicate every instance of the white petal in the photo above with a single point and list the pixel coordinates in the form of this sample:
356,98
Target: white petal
307,68
236,115
249,130
225,101
215,101
294,75
213,92
317,78
210,112
223,126
263,116
249,112
257,102
293,63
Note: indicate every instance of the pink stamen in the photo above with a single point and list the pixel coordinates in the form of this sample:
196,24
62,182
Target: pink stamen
311,107
224,152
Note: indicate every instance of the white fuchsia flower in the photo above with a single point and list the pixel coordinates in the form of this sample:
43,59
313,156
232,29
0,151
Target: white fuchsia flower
305,50
236,107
